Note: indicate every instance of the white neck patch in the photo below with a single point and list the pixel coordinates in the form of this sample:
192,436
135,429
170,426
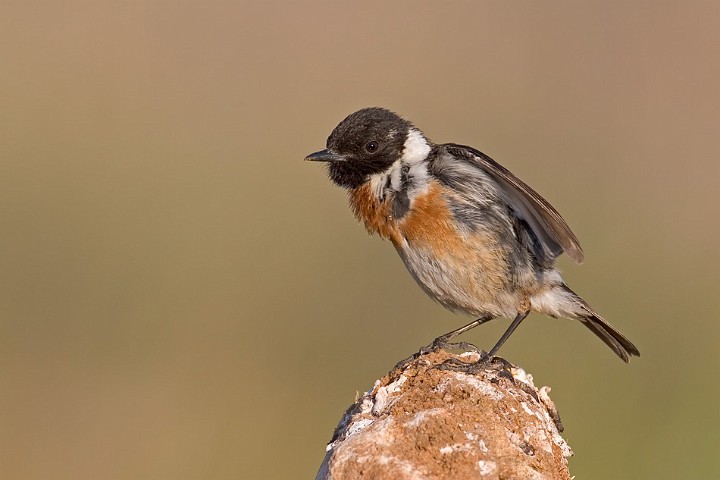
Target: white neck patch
415,149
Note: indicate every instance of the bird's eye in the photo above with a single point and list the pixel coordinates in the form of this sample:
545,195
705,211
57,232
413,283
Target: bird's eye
372,147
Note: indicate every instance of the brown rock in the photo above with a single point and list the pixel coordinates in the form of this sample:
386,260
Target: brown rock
422,421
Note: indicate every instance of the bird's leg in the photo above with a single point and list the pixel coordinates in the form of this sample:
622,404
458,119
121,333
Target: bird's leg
458,365
442,341
515,323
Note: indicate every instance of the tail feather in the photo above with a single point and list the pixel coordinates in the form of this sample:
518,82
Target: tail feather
618,342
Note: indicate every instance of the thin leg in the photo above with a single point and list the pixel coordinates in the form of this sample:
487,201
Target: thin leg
515,323
443,339
441,342
457,365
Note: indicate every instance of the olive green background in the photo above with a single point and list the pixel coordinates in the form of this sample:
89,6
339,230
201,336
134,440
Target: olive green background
182,297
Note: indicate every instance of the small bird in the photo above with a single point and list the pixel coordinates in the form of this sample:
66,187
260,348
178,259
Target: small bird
476,238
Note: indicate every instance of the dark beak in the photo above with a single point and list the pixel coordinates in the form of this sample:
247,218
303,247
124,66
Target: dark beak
325,156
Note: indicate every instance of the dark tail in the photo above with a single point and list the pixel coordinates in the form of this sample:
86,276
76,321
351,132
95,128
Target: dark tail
623,347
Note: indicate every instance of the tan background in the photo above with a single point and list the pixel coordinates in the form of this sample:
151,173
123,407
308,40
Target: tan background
183,298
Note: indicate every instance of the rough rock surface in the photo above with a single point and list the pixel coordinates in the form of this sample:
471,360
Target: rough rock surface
422,421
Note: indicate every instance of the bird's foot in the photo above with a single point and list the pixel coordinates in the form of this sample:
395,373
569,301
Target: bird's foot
442,343
474,367
439,344
469,367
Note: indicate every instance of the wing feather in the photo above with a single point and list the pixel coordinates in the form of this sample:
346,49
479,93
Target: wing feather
553,232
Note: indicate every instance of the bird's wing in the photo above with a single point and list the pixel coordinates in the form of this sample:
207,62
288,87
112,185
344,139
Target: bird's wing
546,223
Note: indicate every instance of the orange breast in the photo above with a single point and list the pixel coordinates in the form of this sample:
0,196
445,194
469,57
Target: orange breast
374,214
476,260
472,265
430,224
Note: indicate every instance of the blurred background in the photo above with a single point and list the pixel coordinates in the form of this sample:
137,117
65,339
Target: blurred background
182,297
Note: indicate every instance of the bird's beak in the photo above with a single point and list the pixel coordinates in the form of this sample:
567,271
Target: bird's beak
325,156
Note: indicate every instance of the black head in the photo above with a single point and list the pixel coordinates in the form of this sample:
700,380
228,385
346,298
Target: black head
368,141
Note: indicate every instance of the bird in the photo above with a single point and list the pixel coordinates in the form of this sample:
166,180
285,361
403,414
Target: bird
476,238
